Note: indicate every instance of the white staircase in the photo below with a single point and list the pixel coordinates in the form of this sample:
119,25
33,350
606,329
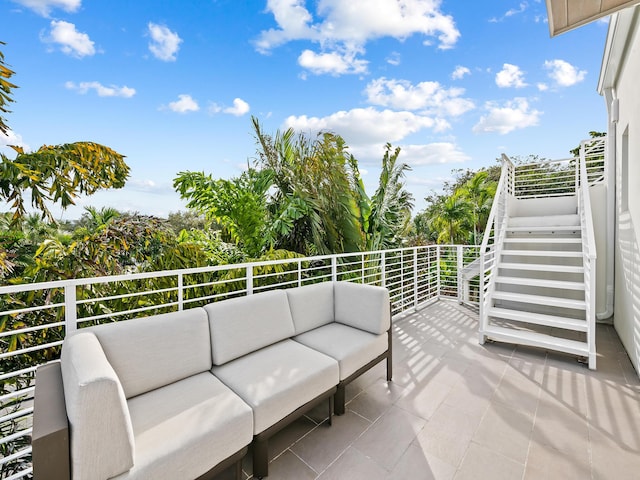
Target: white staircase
539,293
537,261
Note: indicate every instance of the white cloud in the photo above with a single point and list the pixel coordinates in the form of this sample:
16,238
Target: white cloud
333,63
362,126
164,43
101,90
514,114
184,104
71,41
563,73
44,7
510,76
460,72
240,107
13,138
394,59
511,12
428,97
344,28
543,87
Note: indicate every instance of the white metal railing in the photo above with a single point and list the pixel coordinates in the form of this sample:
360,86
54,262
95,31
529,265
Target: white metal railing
588,243
34,318
492,240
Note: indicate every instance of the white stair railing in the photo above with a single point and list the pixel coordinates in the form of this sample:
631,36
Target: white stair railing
492,240
588,245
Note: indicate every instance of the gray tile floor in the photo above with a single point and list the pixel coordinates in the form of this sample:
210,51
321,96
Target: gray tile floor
459,410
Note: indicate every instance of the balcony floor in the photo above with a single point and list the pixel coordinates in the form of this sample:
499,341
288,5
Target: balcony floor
459,410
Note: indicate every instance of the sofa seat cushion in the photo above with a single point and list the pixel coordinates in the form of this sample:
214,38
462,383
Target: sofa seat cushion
278,379
150,352
242,325
351,347
186,428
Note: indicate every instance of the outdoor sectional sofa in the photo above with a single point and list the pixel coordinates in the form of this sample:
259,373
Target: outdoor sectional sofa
182,395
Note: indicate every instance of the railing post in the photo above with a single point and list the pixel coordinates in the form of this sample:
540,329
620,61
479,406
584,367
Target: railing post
70,309
481,294
180,292
415,276
438,280
249,275
459,286
299,273
383,265
362,266
334,268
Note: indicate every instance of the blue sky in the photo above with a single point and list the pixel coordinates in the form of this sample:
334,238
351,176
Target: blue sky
172,84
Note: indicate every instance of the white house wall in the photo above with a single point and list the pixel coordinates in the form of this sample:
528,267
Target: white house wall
627,138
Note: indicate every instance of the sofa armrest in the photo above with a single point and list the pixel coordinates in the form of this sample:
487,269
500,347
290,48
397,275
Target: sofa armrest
366,307
102,442
50,436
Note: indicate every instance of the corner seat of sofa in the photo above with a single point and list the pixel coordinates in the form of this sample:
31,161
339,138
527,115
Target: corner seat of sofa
184,429
350,346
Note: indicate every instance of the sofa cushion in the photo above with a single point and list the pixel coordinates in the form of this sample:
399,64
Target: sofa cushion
278,379
186,428
351,347
150,352
242,325
311,306
102,444
362,306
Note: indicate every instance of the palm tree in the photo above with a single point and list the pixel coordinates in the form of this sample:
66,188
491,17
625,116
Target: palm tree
479,192
314,203
451,217
390,205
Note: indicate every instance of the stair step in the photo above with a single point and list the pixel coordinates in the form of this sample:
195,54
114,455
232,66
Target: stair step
545,220
547,228
541,267
539,319
548,240
540,300
542,253
535,339
540,282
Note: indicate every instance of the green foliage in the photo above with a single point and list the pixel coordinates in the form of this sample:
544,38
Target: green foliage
59,174
390,206
186,220
237,205
315,204
5,91
459,215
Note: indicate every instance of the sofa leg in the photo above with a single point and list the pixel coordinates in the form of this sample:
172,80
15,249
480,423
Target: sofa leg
260,458
340,400
238,469
331,410
389,356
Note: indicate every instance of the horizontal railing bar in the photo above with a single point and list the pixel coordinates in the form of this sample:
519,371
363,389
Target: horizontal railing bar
20,413
38,308
19,454
20,331
22,351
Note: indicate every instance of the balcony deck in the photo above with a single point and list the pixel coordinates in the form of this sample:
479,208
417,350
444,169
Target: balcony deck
458,410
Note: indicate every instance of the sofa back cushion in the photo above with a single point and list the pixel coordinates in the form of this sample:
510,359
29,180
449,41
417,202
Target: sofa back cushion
246,324
311,306
102,443
150,352
362,306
